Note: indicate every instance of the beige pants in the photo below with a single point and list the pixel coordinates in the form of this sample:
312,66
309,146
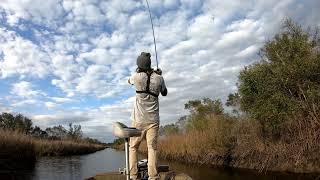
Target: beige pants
150,132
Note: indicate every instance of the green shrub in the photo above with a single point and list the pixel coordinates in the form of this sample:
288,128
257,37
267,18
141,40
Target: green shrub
199,111
169,129
286,81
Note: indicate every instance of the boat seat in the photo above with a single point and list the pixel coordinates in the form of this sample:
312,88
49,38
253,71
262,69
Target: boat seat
122,131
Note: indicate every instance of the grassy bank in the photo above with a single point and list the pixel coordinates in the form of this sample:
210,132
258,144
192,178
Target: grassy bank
14,148
65,147
240,144
19,151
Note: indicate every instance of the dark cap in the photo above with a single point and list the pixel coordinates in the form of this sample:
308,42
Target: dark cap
144,61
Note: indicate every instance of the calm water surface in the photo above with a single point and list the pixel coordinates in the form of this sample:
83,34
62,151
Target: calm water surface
81,167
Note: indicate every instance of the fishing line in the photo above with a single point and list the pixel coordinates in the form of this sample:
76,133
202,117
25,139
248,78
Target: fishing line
154,38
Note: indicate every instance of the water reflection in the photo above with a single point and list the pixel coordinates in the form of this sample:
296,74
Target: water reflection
16,175
81,167
198,172
59,168
78,167
16,169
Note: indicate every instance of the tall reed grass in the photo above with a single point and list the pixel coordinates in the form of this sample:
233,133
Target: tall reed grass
65,147
239,143
14,148
19,151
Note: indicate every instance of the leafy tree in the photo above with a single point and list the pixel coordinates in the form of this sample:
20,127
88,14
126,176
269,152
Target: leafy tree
15,122
234,102
57,132
27,125
169,129
7,121
22,124
182,123
1,122
38,132
75,131
199,111
286,81
204,106
117,142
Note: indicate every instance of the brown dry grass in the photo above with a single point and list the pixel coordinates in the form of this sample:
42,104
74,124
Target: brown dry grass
15,147
19,151
238,143
297,151
65,147
118,146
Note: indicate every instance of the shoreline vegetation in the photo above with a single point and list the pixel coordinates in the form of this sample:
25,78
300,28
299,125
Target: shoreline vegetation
272,122
21,143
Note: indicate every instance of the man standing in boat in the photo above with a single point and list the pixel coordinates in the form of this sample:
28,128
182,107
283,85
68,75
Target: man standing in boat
148,84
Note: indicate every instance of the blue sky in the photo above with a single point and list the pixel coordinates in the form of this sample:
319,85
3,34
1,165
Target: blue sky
65,61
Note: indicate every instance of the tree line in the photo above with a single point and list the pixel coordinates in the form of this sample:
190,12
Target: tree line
23,124
280,92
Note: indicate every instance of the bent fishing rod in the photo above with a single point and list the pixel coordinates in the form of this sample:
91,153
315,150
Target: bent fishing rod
154,38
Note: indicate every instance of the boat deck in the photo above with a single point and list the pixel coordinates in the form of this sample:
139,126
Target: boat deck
163,176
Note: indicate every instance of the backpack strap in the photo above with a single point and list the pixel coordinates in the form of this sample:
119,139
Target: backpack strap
147,91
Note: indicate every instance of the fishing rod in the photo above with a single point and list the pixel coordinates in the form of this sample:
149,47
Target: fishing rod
154,38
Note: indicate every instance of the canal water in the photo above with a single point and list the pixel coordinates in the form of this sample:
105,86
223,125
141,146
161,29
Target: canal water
85,166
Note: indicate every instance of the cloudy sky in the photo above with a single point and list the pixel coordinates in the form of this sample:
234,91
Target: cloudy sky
65,61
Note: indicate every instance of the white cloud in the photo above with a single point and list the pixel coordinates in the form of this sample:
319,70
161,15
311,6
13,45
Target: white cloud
86,12
4,108
97,56
203,26
116,40
26,102
23,94
21,57
50,105
62,99
95,79
232,38
25,89
88,48
36,10
60,118
138,21
247,52
66,68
